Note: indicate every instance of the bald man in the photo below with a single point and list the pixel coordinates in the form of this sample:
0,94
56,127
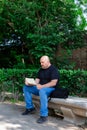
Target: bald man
46,81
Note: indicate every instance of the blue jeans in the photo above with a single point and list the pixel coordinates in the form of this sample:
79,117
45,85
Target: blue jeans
43,93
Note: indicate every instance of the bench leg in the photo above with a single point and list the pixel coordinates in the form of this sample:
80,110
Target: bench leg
71,117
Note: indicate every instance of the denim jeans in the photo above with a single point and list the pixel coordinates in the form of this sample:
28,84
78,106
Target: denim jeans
43,93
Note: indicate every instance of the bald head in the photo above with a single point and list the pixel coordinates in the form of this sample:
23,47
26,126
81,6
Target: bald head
45,58
45,62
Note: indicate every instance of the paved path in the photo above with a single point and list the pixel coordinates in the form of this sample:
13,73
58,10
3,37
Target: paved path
11,119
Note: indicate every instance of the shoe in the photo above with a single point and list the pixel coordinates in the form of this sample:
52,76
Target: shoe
29,111
42,119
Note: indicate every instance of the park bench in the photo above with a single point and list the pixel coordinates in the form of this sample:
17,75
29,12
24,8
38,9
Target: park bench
73,109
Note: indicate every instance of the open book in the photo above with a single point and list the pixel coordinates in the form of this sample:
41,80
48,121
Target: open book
30,81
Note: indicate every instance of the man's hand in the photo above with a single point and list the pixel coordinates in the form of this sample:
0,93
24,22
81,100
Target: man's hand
39,86
26,83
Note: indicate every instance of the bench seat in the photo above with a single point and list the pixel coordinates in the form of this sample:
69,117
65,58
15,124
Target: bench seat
74,109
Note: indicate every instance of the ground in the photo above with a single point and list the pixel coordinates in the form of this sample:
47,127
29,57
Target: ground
11,119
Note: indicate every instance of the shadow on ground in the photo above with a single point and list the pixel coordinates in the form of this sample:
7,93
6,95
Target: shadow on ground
11,119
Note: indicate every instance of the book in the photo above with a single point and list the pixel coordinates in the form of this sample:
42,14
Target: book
30,81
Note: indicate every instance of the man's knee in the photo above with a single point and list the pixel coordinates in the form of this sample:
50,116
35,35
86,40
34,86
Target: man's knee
42,91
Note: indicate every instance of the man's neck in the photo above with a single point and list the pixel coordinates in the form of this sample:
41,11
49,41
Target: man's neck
49,65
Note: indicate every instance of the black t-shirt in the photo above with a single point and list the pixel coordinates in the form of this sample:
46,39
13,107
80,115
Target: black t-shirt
46,75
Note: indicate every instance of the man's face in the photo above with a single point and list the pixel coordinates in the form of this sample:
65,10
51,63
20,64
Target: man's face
44,63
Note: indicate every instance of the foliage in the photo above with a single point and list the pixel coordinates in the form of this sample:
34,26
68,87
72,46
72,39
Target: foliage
12,80
42,25
63,60
75,81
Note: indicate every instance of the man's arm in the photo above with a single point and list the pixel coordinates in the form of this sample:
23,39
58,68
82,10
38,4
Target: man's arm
37,80
49,84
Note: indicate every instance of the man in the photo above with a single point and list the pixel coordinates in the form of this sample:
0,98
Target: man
46,81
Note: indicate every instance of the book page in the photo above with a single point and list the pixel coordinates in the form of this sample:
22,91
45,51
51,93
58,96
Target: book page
30,81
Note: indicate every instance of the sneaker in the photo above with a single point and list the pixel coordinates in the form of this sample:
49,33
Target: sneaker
42,119
29,111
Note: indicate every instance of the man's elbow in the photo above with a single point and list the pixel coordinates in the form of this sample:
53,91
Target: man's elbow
55,82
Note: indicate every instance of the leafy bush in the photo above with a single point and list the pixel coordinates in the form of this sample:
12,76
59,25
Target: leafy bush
12,80
75,81
43,26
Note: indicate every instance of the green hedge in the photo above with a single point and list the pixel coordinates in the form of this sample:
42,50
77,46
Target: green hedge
75,81
12,80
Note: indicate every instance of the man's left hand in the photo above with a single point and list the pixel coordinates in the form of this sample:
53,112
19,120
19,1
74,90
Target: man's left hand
39,86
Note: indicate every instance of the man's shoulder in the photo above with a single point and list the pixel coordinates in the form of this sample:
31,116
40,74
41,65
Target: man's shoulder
53,67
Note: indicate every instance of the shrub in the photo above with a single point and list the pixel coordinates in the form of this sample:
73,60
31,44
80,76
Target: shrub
12,80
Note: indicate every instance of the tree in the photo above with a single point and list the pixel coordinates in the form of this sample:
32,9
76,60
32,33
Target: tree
42,25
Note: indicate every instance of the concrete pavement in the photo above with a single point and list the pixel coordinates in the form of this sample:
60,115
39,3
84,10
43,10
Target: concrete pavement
11,119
